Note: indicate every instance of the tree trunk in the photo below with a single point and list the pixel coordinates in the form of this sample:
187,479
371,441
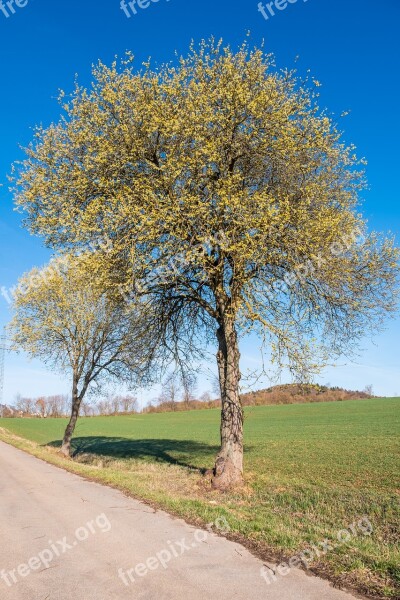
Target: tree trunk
228,470
76,403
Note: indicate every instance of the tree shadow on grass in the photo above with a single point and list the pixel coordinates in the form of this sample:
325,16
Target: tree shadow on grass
159,450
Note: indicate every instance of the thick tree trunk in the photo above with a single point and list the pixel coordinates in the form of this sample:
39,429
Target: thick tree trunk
76,403
228,470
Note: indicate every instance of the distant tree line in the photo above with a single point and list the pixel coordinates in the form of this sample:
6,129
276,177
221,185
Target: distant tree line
176,397
60,406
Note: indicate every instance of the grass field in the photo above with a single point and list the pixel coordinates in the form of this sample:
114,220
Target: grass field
312,470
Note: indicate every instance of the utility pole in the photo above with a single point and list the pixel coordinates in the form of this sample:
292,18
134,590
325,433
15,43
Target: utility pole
3,342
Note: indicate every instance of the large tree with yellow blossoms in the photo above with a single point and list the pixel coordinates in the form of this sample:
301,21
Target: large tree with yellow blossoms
228,200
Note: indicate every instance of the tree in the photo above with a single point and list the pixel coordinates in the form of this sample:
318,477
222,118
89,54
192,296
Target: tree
41,407
105,407
170,390
87,408
189,385
205,397
62,317
25,405
229,199
57,405
128,403
369,390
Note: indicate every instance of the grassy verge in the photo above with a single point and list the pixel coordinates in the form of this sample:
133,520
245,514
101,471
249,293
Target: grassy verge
312,470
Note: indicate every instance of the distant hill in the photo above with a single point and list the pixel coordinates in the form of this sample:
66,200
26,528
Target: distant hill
278,394
299,394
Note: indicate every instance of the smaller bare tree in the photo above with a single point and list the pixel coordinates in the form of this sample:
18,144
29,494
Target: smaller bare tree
57,406
189,385
87,408
64,317
25,405
369,390
169,392
41,406
128,403
205,397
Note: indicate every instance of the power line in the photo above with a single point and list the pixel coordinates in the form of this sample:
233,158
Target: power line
3,349
3,341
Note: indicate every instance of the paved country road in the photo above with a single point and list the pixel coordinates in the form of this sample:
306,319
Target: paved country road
64,538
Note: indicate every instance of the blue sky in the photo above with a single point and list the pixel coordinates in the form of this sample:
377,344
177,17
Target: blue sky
352,47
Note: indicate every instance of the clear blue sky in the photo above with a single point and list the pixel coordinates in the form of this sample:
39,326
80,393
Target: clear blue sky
351,46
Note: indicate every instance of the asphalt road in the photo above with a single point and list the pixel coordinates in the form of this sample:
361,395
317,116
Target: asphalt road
64,538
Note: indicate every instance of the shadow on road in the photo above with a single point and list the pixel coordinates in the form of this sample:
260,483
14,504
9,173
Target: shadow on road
176,452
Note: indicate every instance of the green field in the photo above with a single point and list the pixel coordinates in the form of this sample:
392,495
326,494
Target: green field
311,471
